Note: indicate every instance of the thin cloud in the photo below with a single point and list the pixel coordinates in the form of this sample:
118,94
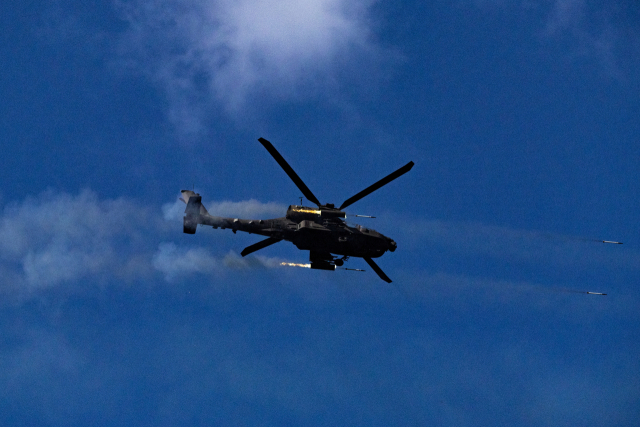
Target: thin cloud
565,14
607,32
593,33
230,51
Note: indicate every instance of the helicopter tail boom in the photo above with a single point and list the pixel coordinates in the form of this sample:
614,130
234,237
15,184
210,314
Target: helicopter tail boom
195,213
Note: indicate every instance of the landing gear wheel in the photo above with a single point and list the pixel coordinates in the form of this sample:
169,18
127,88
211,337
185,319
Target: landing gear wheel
339,262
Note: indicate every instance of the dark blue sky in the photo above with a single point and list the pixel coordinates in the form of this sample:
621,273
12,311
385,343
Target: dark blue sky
521,117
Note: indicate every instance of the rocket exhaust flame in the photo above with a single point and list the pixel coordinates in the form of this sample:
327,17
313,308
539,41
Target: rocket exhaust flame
293,264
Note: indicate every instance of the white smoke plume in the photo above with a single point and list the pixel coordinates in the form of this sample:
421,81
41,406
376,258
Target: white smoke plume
245,209
180,263
175,263
55,238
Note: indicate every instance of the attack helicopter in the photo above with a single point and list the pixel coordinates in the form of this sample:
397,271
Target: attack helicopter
321,230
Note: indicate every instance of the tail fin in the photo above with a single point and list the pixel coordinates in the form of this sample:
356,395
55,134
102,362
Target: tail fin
193,211
193,202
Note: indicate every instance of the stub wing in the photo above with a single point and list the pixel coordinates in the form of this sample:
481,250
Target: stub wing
377,269
260,245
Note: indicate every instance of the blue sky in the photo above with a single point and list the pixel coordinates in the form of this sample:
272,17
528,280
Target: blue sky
521,117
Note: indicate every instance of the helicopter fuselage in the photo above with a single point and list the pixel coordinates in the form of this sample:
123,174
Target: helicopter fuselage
321,231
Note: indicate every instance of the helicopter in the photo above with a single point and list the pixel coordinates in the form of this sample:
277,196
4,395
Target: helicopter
322,230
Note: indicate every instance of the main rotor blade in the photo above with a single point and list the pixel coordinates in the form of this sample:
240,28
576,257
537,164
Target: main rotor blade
384,181
284,165
377,269
260,245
